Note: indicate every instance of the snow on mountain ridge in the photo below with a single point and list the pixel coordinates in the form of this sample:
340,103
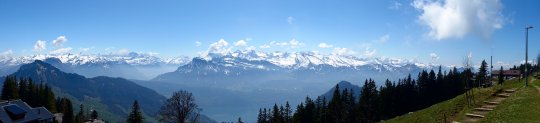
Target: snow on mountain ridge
307,59
83,59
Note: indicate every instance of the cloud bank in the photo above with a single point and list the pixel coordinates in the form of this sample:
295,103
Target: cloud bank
459,18
40,45
60,41
324,45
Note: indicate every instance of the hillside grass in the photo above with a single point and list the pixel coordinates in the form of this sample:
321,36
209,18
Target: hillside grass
453,109
522,107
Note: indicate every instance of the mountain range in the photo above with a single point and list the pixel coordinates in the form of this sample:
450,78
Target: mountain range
132,66
235,84
248,80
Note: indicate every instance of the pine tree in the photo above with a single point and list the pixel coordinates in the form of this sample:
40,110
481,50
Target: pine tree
309,111
367,106
298,115
50,102
276,115
94,114
80,117
135,116
501,76
67,110
240,120
260,117
23,89
482,73
288,112
264,116
335,107
9,89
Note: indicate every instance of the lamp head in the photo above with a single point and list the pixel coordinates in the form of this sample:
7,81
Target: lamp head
529,27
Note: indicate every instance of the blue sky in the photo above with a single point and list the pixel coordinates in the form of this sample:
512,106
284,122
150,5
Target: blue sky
432,32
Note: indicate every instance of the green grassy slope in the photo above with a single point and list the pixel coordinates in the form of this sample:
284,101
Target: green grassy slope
455,109
523,107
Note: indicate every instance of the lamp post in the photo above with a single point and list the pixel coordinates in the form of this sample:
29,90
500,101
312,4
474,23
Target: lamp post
527,53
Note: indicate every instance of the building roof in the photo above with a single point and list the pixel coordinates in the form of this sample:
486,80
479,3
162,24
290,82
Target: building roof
508,72
22,109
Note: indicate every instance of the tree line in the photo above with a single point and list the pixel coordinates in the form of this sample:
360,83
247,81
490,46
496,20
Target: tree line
377,103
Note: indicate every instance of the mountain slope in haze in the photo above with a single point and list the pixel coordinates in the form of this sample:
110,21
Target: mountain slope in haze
342,86
117,93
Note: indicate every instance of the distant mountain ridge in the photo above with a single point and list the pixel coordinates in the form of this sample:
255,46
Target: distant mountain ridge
342,86
132,65
238,67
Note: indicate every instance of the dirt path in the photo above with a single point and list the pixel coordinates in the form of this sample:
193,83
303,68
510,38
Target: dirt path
487,106
537,88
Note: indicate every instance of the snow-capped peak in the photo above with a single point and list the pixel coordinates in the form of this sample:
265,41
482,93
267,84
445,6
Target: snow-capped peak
307,59
82,59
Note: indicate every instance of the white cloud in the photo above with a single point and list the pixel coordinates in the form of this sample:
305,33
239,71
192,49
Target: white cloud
109,48
383,38
434,56
121,52
152,53
290,19
324,45
220,46
295,43
251,48
7,53
86,49
342,51
61,50
40,45
458,18
369,53
279,43
240,43
265,46
198,43
59,41
395,5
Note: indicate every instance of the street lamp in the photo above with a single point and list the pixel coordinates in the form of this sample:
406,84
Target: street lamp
527,53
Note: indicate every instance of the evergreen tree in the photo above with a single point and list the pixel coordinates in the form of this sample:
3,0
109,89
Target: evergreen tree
50,102
367,106
288,112
298,115
309,111
276,115
240,120
9,89
66,108
482,73
94,114
80,117
135,116
23,89
268,116
260,117
335,107
501,76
